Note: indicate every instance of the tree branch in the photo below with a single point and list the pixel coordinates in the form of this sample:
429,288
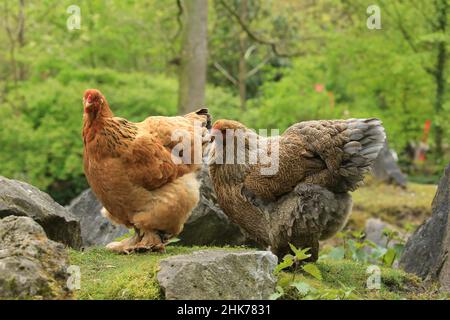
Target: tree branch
179,15
255,70
252,35
405,33
427,18
225,73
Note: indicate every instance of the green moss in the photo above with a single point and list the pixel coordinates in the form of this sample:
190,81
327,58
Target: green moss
106,275
348,276
392,204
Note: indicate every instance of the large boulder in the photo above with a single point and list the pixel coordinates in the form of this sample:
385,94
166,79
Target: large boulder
95,229
21,199
218,275
427,250
31,265
385,168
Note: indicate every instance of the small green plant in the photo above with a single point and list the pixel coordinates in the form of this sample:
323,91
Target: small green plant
308,292
295,260
305,291
355,247
297,263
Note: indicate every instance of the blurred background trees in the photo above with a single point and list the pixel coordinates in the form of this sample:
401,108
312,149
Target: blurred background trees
267,63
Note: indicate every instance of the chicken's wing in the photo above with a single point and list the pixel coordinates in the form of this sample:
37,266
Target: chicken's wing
334,154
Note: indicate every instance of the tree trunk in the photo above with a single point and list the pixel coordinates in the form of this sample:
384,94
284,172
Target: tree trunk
242,63
192,78
441,8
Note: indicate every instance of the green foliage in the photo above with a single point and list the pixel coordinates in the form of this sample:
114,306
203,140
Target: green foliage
312,270
295,261
287,262
347,279
356,248
341,273
308,292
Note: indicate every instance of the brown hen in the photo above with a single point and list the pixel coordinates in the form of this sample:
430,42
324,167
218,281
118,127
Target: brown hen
307,198
130,168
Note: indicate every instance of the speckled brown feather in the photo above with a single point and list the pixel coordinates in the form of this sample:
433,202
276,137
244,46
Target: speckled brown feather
307,199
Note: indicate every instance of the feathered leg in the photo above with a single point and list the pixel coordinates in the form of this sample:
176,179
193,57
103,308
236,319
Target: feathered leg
126,245
168,210
151,241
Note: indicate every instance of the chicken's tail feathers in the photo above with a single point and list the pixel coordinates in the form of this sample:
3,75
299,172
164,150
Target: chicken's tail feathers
366,139
204,112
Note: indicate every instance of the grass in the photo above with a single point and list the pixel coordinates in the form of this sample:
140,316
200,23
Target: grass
392,204
349,276
106,275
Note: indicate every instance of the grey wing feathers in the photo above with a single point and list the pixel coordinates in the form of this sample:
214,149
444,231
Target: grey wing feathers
366,139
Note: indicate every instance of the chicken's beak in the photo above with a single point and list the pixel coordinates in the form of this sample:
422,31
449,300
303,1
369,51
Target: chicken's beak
87,103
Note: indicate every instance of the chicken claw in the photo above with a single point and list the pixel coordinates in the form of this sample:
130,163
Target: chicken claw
147,241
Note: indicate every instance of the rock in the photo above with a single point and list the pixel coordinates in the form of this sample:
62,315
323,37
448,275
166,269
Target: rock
95,229
374,232
31,265
427,250
21,199
385,167
218,275
208,224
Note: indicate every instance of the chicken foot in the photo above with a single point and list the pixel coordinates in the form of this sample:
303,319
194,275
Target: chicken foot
141,241
151,241
125,245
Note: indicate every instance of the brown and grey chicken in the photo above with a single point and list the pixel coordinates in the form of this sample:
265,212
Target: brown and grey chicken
307,198
130,168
